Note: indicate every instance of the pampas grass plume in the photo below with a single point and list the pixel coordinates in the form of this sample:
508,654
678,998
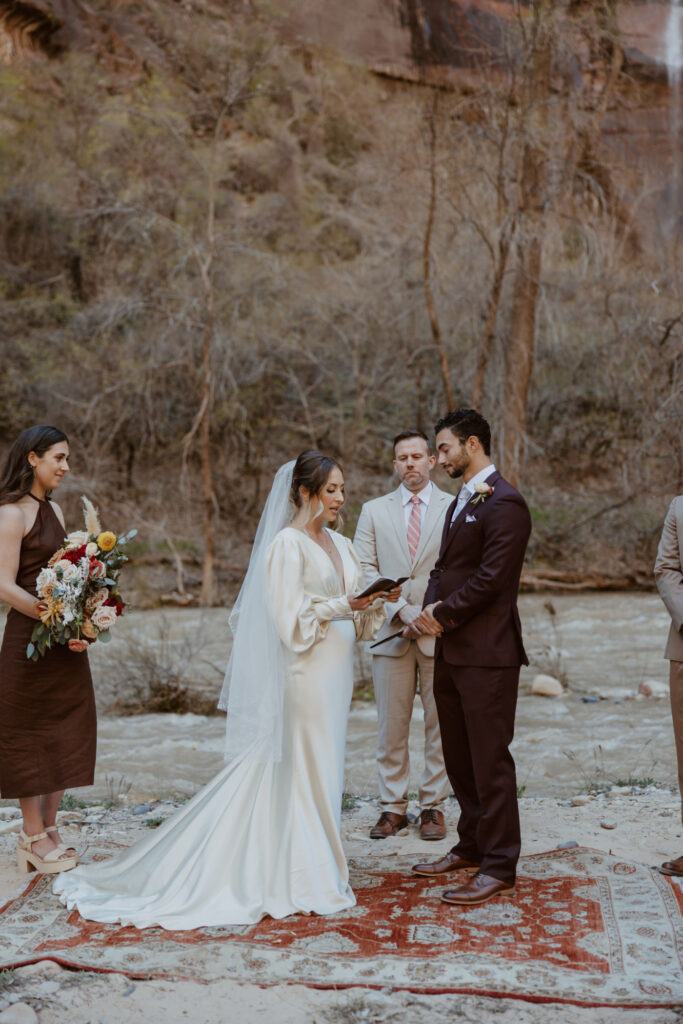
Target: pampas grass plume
91,516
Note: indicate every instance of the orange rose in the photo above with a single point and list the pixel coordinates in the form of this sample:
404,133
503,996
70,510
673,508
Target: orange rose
78,646
98,570
88,630
57,557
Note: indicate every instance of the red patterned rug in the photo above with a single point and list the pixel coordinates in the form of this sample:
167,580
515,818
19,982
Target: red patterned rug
584,927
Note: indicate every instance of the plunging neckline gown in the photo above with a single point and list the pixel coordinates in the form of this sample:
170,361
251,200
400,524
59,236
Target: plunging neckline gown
259,839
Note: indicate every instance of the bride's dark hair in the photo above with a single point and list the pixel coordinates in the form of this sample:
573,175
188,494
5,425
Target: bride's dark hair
311,470
17,475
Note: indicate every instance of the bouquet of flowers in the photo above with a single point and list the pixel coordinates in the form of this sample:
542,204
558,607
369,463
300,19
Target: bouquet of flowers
78,593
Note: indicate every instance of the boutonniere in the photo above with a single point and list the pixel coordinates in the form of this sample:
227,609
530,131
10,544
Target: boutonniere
483,490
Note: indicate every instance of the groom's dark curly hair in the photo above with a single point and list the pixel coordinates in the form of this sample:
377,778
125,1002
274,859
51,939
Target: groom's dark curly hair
464,423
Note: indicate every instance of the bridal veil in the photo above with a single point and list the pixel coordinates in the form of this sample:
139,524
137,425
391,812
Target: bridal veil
254,684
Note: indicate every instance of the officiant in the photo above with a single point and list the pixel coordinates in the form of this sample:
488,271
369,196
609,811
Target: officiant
398,535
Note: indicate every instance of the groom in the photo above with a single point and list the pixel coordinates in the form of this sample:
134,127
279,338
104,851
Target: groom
471,606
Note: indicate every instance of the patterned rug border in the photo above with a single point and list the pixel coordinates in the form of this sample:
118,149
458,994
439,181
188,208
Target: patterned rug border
498,993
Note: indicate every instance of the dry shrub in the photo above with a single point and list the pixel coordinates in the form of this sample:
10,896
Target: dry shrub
164,673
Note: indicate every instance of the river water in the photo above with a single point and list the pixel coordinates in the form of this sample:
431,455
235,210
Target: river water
598,643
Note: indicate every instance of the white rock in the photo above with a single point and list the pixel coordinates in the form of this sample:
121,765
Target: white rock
653,688
40,967
46,988
8,812
608,824
580,800
547,686
10,826
20,1013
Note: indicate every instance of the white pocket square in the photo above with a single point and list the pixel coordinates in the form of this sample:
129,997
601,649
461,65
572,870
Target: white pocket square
470,519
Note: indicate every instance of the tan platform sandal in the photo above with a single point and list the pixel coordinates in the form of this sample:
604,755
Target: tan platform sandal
63,847
51,864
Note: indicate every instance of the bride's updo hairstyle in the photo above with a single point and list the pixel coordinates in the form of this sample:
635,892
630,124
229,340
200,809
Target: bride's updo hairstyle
16,478
311,471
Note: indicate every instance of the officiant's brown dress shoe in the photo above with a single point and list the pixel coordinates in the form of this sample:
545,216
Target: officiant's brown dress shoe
449,862
673,867
388,825
432,824
479,889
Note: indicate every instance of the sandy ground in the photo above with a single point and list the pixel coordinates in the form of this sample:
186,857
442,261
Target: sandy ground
647,828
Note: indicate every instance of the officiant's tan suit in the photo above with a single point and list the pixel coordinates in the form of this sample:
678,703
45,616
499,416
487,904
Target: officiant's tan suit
669,577
382,546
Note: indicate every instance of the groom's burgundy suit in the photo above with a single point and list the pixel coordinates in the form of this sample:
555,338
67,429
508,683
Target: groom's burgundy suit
476,671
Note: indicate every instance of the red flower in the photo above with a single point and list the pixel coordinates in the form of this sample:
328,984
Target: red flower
75,555
113,603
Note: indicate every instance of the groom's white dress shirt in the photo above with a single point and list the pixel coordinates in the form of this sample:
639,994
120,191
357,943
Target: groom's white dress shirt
467,491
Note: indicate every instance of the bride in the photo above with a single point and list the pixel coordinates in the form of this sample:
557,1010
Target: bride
263,836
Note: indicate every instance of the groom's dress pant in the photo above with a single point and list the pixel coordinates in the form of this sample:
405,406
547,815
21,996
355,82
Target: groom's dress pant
477,717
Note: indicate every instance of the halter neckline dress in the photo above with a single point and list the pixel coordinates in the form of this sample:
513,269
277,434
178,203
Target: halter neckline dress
48,725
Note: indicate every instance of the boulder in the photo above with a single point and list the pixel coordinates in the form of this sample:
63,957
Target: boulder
19,1013
547,686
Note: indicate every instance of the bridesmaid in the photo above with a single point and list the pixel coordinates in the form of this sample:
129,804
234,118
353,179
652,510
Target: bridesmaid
47,707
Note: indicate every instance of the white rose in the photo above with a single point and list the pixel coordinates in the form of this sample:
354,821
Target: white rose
483,488
91,549
46,578
71,572
104,617
67,616
77,539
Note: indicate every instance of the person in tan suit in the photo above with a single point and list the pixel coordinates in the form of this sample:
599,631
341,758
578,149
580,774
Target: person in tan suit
399,535
669,577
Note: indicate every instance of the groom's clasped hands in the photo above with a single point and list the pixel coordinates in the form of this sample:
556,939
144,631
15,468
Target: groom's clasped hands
424,623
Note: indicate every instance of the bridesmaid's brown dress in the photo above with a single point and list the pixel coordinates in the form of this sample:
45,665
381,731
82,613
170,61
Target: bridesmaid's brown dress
48,727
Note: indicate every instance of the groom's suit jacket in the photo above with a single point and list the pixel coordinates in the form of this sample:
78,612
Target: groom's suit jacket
477,578
382,546
669,576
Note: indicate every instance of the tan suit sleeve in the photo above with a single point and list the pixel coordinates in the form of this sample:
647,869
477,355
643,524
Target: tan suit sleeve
668,569
365,543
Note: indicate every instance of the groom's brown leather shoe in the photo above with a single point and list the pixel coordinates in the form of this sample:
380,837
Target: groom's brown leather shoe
673,867
449,862
388,825
478,890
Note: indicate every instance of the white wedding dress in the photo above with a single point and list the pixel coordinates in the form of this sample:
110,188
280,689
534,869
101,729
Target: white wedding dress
260,838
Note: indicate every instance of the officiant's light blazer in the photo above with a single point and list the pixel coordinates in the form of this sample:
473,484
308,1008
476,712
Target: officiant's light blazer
669,576
382,546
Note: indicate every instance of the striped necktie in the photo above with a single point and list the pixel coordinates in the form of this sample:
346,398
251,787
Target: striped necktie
414,526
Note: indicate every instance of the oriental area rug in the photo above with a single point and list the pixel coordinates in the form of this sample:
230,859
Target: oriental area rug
583,927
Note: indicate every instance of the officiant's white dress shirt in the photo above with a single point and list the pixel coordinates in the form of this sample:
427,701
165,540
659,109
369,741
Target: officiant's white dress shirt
406,498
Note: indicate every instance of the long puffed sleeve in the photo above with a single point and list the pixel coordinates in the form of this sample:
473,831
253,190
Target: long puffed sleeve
367,623
301,618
